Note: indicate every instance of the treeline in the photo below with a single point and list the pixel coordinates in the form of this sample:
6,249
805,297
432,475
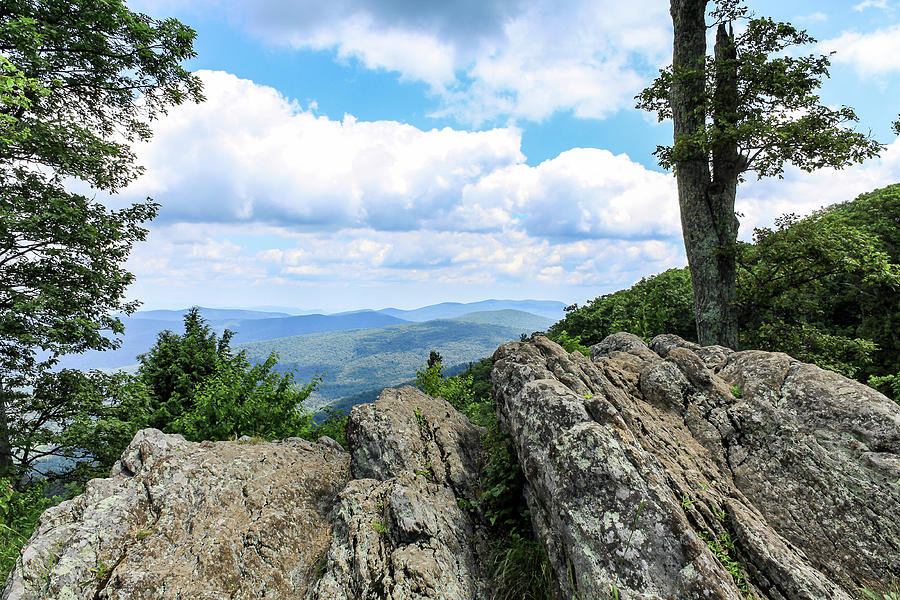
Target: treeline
823,288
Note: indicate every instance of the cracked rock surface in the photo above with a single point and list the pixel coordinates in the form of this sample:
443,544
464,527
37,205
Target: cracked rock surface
680,472
178,519
400,531
275,520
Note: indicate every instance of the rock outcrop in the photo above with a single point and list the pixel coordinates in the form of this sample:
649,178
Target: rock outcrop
675,471
667,471
178,519
292,519
400,529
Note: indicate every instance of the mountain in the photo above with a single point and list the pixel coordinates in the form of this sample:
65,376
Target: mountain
550,309
250,326
265,329
141,331
213,315
358,361
525,321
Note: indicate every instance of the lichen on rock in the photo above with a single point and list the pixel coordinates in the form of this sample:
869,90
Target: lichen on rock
649,477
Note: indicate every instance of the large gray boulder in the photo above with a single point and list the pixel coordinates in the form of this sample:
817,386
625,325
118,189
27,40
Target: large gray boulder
179,519
401,528
685,472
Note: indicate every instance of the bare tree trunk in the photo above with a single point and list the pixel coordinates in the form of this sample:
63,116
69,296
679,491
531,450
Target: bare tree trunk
6,457
707,205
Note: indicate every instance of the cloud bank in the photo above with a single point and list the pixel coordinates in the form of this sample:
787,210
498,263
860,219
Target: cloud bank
260,193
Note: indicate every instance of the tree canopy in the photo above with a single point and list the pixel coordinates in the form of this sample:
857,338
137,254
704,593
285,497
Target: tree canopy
822,288
79,82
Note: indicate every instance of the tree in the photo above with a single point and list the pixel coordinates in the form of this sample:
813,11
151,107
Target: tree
749,107
79,82
434,358
177,364
244,399
73,425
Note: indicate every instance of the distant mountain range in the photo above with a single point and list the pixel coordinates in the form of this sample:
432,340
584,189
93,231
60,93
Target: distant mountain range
358,351
449,310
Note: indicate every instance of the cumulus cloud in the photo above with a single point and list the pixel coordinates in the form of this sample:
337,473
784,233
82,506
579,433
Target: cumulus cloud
870,53
261,196
248,155
257,192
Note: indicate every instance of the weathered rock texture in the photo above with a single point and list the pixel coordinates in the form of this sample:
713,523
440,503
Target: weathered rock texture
644,465
400,530
185,520
248,520
665,472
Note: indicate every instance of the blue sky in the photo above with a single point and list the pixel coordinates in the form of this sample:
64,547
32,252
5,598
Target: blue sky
356,154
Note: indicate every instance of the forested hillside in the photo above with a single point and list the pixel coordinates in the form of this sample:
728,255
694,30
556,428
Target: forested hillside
362,360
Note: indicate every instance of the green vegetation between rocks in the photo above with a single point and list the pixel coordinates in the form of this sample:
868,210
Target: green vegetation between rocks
519,565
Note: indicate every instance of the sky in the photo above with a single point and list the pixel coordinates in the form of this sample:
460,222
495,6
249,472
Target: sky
364,154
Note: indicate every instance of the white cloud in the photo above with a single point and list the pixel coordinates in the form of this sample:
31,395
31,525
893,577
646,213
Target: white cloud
871,4
484,59
249,155
871,53
258,192
266,202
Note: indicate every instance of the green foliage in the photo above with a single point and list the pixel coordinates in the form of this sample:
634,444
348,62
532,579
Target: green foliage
821,288
93,63
520,569
847,356
78,83
19,513
888,594
569,343
456,390
889,385
724,549
244,399
761,100
501,499
334,425
84,419
178,363
519,564
657,304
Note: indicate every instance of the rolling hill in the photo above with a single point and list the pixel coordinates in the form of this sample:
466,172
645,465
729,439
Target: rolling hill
362,360
141,332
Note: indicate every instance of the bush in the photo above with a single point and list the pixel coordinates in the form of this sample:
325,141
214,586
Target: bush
19,514
244,399
657,304
569,343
